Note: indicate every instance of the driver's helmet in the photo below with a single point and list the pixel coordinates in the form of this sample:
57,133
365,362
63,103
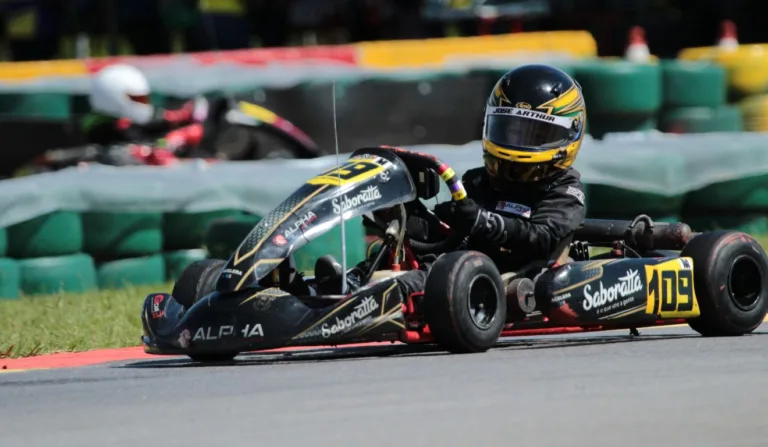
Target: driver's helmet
534,125
122,91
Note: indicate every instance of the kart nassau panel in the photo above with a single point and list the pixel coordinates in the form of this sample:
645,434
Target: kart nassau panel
618,291
364,183
250,320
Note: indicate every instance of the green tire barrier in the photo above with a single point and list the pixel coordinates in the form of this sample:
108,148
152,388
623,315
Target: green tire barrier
598,126
53,274
702,120
620,87
183,231
10,278
118,274
224,235
693,84
118,235
754,224
3,242
36,105
620,96
734,197
177,261
330,244
53,234
607,202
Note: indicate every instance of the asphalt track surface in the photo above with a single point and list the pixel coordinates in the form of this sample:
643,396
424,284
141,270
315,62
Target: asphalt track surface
667,387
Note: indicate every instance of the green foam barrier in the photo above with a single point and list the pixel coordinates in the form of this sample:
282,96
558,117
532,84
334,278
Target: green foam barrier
53,234
620,87
117,235
120,273
10,278
702,120
74,273
183,231
177,261
693,84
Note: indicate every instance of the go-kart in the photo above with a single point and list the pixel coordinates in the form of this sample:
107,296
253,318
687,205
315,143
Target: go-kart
234,130
256,300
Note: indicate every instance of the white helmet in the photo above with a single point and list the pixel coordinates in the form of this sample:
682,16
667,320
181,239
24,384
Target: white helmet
122,91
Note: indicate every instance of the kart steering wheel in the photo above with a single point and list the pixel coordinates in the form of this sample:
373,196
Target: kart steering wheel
448,244
458,194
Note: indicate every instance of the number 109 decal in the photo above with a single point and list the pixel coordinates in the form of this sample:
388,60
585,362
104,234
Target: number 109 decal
670,289
353,171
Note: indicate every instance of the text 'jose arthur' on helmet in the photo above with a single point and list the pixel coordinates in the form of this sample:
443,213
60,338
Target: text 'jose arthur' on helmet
534,124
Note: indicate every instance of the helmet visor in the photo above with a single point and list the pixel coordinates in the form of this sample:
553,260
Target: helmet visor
141,99
512,127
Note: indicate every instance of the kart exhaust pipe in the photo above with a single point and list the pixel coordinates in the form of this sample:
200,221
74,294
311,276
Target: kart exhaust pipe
641,233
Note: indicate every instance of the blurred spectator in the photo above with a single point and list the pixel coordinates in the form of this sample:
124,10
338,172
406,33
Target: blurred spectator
223,25
32,28
141,23
270,21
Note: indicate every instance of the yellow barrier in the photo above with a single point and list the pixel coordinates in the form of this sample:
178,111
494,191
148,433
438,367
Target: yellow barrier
747,65
754,110
427,53
436,53
24,71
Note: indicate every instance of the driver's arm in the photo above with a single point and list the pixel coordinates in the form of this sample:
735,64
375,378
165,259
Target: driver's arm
560,213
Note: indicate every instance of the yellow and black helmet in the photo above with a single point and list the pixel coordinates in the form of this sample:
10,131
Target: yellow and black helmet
534,125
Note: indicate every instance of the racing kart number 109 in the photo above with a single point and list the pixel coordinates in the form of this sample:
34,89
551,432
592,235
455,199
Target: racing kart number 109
653,274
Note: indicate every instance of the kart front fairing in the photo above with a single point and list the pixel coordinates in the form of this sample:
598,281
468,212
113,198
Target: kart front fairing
366,182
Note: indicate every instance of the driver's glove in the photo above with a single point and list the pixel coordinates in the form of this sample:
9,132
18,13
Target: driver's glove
468,217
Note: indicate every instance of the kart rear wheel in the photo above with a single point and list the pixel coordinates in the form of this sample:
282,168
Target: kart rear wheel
731,283
196,281
464,302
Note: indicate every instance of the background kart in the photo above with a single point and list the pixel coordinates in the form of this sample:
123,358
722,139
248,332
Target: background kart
257,300
233,130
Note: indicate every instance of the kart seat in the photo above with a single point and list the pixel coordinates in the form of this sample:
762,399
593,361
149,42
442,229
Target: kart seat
328,274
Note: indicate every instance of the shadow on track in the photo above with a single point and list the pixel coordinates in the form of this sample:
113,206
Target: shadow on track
342,353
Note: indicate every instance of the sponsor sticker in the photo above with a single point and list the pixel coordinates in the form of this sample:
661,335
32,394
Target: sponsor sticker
576,193
209,333
360,312
184,337
514,208
302,223
347,203
156,302
600,299
279,240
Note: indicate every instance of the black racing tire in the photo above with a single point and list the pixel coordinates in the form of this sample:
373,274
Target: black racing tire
196,281
464,302
731,283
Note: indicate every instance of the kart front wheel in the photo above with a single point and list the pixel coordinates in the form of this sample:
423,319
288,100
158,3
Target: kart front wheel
464,302
196,281
731,282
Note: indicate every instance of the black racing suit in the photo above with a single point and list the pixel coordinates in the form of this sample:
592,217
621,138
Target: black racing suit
530,222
